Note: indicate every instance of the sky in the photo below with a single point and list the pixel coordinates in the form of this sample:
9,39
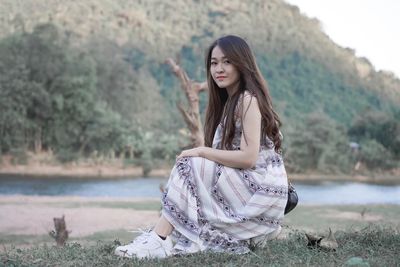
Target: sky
370,27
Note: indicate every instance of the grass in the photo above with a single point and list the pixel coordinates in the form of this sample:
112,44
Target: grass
340,217
13,240
24,240
372,246
367,235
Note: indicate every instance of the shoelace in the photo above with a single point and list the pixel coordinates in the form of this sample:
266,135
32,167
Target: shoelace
144,234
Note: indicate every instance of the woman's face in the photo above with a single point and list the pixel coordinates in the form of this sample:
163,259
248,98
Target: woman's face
223,72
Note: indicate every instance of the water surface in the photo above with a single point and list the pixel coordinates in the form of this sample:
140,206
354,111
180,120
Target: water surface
320,193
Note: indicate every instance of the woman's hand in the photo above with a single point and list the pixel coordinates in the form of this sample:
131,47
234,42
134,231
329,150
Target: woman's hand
194,152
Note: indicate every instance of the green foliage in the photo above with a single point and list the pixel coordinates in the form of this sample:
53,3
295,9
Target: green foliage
95,97
379,136
318,144
151,146
375,155
305,85
168,146
379,126
50,96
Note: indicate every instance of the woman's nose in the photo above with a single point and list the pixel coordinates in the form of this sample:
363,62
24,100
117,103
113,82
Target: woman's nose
219,68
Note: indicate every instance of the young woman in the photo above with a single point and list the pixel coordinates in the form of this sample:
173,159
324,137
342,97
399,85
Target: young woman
231,193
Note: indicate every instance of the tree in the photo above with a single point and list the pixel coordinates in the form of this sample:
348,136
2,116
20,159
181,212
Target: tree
379,136
319,144
49,98
379,126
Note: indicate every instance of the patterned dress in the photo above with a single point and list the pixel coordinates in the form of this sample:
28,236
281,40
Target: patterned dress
222,209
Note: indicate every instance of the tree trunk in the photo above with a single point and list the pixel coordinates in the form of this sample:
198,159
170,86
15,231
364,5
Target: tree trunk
38,141
61,233
190,114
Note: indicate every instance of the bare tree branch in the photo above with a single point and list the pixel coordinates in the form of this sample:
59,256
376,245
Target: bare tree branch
191,114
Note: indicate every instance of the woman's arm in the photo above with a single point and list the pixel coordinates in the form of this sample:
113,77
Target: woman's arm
246,157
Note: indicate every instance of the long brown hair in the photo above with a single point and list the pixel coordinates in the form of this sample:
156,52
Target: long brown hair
239,54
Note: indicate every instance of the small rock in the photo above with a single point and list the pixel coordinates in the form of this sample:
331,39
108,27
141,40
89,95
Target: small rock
329,242
313,240
356,261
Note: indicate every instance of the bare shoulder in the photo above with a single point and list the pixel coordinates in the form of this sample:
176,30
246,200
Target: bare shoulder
248,94
247,101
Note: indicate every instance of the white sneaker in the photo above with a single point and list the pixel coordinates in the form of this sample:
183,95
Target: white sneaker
262,240
147,245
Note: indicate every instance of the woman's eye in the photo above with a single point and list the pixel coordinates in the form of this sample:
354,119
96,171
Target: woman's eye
227,62
213,63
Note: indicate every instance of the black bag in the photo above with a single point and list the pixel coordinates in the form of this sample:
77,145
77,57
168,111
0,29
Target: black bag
292,198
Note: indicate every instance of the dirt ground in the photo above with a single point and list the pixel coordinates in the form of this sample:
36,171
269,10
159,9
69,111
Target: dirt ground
85,216
33,215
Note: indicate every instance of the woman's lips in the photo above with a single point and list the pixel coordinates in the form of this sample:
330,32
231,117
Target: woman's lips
221,77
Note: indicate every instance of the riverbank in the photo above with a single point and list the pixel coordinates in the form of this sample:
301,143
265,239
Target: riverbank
373,178
113,171
36,168
79,171
109,172
44,165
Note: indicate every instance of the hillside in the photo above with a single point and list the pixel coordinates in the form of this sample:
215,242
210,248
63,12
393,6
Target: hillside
119,49
161,28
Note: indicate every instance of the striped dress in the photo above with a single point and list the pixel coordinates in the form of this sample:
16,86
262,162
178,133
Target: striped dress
222,209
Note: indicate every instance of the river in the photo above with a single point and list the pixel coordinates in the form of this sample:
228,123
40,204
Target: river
316,193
